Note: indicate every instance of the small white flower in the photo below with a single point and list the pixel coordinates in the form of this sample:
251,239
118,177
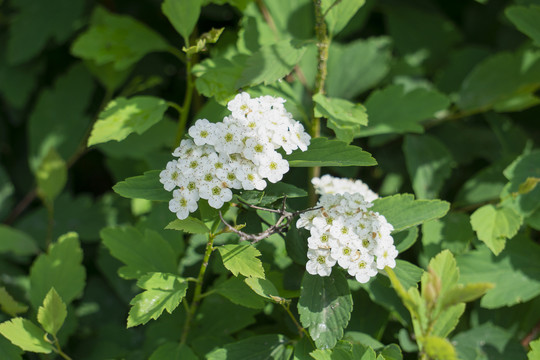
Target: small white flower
320,262
319,239
170,176
182,204
256,149
219,194
386,256
202,132
273,167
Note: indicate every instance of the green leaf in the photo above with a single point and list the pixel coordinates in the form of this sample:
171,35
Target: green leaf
534,353
325,307
495,225
270,63
183,15
124,116
402,211
16,241
60,268
500,78
26,335
339,15
173,351
488,341
238,292
357,66
465,293
483,186
62,130
210,37
141,253
9,351
324,152
189,225
264,288
163,292
344,117
51,176
146,186
272,193
447,320
408,110
391,352
242,259
443,274
452,232
439,348
421,31
522,169
30,31
429,164
405,239
52,314
526,19
9,305
217,77
515,272
119,39
261,347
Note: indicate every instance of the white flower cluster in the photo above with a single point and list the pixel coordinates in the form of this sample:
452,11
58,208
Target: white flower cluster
328,184
346,232
238,153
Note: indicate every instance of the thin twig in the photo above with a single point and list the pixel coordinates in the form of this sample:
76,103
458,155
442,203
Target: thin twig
281,226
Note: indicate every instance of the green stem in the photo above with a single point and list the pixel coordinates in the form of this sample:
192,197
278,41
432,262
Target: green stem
59,349
323,43
187,102
198,288
301,330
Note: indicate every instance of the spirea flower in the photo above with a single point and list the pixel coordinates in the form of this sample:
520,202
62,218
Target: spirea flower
346,232
237,153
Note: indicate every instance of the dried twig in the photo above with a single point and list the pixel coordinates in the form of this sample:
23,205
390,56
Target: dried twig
281,225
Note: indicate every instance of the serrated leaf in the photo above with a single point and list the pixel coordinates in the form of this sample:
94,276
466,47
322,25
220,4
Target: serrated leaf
439,348
60,268
495,225
30,31
238,292
452,232
447,320
325,307
270,63
9,305
264,288
124,116
141,253
189,225
16,241
344,117
51,176
146,186
324,152
163,292
62,130
408,110
209,37
402,211
391,352
261,347
52,314
526,19
499,78
339,15
515,272
119,39
272,193
183,15
242,259
217,77
26,335
173,351
429,164
357,66
405,239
